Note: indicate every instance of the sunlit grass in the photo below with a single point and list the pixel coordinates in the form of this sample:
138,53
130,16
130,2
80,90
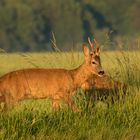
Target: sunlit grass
35,120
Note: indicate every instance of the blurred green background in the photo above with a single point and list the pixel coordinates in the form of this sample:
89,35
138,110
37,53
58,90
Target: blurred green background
27,25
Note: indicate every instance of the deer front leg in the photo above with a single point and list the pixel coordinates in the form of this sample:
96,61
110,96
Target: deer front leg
86,86
71,104
66,98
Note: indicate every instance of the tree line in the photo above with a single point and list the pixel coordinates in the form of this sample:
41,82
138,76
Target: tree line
27,25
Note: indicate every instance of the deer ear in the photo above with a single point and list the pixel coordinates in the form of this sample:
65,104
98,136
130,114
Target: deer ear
86,50
98,51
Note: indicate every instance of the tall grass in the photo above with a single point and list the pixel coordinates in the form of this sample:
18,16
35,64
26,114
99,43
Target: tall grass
97,121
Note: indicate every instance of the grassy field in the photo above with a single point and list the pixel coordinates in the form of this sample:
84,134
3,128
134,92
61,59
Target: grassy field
34,120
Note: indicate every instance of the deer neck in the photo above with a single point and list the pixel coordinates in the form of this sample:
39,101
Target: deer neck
80,75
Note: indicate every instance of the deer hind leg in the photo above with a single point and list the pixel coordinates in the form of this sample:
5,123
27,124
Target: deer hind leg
55,103
2,102
2,98
7,102
10,102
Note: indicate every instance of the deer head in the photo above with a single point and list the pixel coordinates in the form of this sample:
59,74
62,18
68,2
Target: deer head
92,58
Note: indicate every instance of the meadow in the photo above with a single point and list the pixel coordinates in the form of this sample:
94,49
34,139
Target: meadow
34,120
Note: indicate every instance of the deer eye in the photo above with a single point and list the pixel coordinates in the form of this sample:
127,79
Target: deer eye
93,62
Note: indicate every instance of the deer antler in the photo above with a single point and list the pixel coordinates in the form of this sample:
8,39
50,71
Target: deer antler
91,44
96,43
97,47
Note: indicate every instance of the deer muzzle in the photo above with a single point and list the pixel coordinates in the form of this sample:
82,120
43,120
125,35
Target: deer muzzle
101,72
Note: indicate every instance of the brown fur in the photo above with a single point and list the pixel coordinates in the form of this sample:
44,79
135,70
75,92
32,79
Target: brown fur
102,82
56,84
104,88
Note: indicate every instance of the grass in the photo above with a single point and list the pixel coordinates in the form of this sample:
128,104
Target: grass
31,120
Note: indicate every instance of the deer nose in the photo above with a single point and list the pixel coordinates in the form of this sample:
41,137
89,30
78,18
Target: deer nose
101,72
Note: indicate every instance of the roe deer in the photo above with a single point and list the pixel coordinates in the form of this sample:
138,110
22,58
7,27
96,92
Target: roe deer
104,88
100,87
102,82
56,84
